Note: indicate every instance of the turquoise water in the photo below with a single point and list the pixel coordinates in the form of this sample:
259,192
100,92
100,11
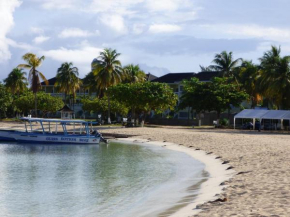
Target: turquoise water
105,180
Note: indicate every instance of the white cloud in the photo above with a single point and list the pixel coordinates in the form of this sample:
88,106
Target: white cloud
121,7
167,5
270,33
40,39
7,8
56,4
76,33
138,28
84,55
36,30
20,45
164,28
115,22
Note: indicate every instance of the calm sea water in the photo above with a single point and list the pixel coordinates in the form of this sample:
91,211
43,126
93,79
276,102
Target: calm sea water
104,181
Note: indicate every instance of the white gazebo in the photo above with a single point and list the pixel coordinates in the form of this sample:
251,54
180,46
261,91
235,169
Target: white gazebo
66,113
262,114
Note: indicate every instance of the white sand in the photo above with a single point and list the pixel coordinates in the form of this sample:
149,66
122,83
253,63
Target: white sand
264,191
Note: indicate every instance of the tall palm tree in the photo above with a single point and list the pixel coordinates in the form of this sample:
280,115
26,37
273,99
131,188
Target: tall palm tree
248,77
107,71
75,85
89,82
67,79
16,82
225,64
35,77
271,58
275,77
134,74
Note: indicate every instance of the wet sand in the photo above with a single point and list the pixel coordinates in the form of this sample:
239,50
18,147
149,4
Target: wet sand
261,162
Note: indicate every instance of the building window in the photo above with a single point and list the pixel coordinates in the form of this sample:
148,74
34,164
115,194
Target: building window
49,89
181,88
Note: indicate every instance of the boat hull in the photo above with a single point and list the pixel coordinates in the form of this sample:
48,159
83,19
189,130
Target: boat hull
47,138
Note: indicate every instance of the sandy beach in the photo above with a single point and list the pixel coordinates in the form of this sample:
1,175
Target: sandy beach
259,160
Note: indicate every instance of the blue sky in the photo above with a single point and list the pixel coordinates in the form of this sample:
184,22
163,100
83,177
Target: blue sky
160,35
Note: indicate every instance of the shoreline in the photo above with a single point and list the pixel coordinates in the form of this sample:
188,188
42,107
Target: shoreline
209,189
261,161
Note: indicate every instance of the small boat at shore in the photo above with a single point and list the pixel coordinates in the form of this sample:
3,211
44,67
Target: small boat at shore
40,130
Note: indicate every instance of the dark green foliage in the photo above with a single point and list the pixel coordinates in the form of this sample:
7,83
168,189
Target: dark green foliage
6,100
67,80
100,106
46,103
16,81
225,64
144,97
218,95
274,81
248,79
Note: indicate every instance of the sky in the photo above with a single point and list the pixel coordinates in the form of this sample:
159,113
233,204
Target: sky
161,36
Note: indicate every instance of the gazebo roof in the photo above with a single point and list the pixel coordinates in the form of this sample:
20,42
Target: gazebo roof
264,114
251,113
66,109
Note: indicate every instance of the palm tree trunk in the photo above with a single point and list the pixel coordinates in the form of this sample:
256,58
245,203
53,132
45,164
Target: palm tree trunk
133,118
74,104
109,108
35,104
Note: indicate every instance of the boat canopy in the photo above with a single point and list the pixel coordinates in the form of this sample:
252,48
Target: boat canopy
263,114
64,123
56,120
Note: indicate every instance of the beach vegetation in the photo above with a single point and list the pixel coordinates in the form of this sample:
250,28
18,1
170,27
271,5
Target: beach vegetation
46,103
100,106
133,74
67,80
274,80
218,95
225,63
107,71
6,100
142,98
35,76
16,81
248,80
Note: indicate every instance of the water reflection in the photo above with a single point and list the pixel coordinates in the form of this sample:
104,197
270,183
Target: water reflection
78,180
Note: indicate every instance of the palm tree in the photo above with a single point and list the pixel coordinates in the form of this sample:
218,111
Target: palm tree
248,77
205,69
35,77
134,74
16,82
67,79
225,64
75,85
107,71
271,57
90,83
275,77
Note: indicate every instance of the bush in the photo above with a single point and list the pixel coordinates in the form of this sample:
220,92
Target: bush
224,122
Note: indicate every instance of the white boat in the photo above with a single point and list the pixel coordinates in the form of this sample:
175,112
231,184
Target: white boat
40,130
